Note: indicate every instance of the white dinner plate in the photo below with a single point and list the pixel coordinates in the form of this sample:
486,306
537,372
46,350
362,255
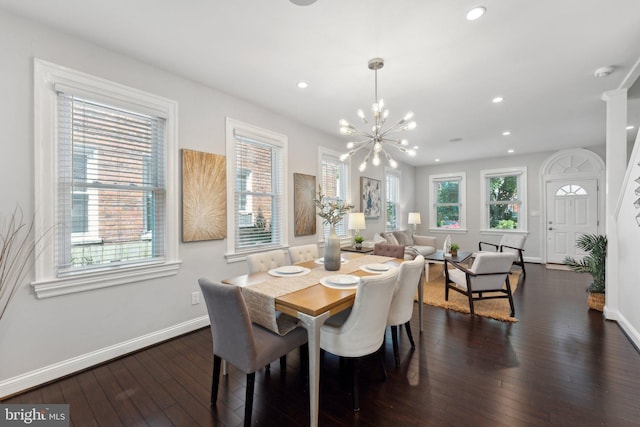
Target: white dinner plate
340,281
378,267
289,269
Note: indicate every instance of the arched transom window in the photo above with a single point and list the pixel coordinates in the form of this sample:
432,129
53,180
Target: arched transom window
571,190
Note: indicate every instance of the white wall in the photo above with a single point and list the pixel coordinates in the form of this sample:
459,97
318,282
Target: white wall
534,247
628,231
43,339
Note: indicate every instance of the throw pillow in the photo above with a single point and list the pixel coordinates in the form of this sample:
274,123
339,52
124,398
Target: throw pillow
390,238
404,237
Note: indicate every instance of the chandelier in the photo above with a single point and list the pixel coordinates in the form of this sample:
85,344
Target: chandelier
377,138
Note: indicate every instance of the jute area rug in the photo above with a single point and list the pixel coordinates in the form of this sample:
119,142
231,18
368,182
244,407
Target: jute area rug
494,308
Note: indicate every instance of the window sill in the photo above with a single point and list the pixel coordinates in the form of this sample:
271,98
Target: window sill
103,279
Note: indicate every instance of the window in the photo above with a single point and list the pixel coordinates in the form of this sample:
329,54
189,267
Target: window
105,179
334,179
447,200
504,195
571,190
392,179
256,179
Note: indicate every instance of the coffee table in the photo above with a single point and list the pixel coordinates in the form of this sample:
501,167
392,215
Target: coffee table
438,258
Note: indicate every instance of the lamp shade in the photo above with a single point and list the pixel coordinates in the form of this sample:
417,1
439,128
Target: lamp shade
414,218
356,221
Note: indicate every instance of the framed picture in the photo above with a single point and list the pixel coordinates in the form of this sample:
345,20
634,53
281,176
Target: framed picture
204,196
370,197
304,210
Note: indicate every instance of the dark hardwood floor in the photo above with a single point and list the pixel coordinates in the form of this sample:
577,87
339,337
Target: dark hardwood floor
561,365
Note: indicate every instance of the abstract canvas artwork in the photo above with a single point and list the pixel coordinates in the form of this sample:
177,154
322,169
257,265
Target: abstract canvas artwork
370,197
304,210
204,196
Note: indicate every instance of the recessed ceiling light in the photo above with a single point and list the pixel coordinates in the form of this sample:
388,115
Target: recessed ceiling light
302,85
475,13
630,127
437,160
302,2
497,99
603,71
510,150
506,133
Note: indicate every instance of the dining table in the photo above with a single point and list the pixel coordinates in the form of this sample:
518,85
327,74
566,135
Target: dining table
305,298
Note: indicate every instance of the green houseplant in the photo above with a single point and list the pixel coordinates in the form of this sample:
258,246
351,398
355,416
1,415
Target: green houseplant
454,249
595,245
358,239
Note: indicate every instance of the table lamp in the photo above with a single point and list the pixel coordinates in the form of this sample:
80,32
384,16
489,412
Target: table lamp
414,218
356,222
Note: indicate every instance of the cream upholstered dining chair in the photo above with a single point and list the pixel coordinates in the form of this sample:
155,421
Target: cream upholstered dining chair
360,331
387,249
509,243
483,280
303,253
236,340
401,309
265,261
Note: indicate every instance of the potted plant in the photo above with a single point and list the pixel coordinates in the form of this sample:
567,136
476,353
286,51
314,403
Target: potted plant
454,249
358,239
595,245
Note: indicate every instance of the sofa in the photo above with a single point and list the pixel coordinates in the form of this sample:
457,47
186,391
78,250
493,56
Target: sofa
414,245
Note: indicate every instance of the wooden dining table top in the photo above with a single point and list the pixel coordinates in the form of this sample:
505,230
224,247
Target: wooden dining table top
313,300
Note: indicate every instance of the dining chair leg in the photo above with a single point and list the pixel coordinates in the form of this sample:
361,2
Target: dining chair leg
407,327
381,359
248,400
215,380
355,389
513,310
394,339
283,364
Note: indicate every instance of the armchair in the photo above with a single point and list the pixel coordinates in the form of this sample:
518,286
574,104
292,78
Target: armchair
511,244
487,274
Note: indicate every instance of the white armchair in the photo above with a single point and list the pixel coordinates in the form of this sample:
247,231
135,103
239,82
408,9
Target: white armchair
510,243
483,280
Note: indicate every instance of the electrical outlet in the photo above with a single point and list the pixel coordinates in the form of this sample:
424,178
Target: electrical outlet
195,298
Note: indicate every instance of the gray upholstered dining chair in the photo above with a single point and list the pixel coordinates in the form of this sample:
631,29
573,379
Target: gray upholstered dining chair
245,345
395,251
401,309
303,253
483,280
265,261
360,331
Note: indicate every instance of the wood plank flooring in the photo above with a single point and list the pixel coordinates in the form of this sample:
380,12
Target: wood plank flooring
561,365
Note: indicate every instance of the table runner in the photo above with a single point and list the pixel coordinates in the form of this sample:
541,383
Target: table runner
261,297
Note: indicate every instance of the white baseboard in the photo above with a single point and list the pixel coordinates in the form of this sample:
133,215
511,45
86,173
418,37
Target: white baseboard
66,367
625,325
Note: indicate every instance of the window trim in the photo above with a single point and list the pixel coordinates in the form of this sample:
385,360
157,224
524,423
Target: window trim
399,218
271,137
324,151
433,226
48,76
521,172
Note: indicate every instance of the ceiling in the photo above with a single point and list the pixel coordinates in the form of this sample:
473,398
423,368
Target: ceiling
539,56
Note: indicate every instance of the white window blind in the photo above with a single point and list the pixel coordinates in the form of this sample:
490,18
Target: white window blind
110,208
258,199
334,185
393,200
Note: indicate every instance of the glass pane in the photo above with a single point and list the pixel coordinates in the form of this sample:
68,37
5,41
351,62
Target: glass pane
503,216
255,227
448,191
503,188
392,216
448,216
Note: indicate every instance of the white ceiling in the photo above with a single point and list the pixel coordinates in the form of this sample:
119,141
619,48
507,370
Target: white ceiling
539,55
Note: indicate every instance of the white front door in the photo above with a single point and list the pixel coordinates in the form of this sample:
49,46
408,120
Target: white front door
572,210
